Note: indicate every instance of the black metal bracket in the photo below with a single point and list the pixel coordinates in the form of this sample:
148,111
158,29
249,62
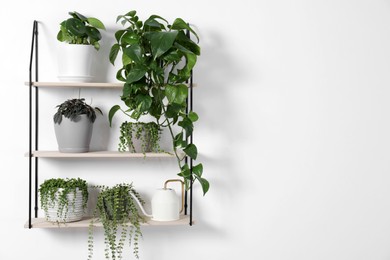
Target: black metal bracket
34,50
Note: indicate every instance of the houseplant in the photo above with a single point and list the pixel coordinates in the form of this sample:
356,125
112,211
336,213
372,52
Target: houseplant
139,137
116,210
157,60
80,33
73,124
63,200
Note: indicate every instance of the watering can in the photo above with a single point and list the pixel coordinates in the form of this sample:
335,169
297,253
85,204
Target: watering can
166,205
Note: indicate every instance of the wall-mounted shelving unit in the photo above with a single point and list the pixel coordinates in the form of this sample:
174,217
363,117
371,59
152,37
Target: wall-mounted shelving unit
34,153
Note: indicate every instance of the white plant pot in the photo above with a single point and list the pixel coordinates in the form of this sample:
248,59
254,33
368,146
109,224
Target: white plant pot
75,62
72,213
74,136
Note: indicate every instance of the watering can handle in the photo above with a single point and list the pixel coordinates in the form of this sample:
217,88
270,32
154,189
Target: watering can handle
182,191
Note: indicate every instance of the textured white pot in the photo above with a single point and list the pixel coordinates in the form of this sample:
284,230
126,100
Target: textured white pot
73,212
74,136
75,62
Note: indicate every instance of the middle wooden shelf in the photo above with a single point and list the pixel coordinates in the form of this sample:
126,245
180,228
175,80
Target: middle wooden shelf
100,154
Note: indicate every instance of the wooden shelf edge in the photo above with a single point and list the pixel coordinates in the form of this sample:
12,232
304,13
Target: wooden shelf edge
114,85
85,222
99,154
76,84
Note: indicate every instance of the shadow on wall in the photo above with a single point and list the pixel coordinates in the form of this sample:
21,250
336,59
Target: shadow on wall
102,69
221,124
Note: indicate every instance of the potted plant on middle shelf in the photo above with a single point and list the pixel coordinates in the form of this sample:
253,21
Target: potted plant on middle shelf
157,61
117,210
73,125
81,34
139,137
64,200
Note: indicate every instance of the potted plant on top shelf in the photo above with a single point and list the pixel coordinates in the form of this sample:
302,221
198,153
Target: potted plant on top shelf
81,34
157,61
73,125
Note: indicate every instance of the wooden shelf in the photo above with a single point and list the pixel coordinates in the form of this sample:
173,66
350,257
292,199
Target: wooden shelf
99,154
113,85
84,223
118,85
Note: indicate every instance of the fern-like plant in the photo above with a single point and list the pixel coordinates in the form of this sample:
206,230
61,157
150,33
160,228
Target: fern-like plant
117,211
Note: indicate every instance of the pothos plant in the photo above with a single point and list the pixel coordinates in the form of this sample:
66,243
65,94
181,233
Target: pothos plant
81,30
54,192
116,210
158,58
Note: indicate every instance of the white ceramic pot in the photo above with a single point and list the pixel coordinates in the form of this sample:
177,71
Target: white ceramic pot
73,212
75,62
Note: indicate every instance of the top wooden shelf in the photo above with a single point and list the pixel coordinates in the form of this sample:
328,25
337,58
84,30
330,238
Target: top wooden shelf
118,85
113,85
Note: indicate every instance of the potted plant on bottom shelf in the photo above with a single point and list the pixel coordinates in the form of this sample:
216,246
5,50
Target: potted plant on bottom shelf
64,200
73,125
117,210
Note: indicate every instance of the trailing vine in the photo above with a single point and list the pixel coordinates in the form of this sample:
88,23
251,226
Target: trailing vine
55,192
117,211
158,58
147,133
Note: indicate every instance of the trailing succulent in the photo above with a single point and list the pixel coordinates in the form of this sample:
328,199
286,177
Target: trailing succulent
57,190
81,30
147,133
72,108
158,58
117,210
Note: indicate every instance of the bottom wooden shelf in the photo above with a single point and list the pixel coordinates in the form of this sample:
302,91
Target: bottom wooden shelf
42,223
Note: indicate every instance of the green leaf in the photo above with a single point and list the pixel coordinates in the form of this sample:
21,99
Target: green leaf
178,141
185,171
187,125
180,24
143,102
161,42
112,113
173,110
114,53
193,116
205,185
170,92
191,151
134,52
198,170
176,94
182,93
93,33
96,23
75,27
129,38
135,74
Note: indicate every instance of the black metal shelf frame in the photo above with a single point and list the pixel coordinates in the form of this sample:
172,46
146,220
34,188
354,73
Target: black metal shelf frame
33,132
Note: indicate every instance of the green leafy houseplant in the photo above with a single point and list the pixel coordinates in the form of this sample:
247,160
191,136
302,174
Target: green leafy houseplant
72,108
81,30
55,193
148,134
157,59
117,211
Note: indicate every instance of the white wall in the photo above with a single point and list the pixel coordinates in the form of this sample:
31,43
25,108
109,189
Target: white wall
294,127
